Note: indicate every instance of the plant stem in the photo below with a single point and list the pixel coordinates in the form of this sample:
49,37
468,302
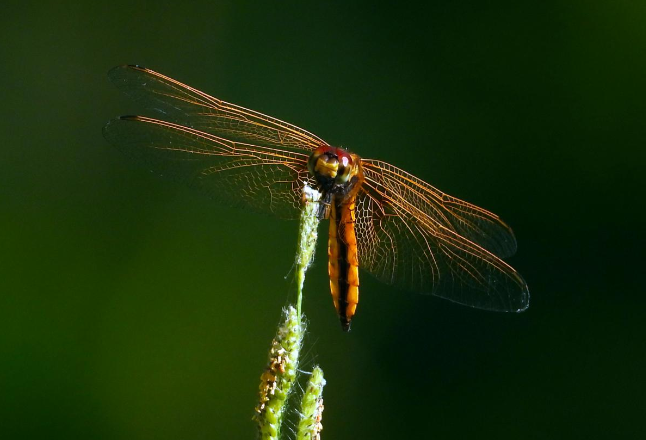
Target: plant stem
308,234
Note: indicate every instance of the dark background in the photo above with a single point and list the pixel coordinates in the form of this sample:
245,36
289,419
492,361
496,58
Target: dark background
134,308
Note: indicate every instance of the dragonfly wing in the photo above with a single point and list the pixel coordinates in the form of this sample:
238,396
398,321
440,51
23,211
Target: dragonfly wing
401,244
471,222
265,179
190,107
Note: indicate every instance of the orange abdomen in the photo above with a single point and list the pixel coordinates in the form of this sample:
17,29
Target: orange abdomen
343,263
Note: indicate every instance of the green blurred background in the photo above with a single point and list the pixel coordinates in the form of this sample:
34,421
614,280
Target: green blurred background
134,308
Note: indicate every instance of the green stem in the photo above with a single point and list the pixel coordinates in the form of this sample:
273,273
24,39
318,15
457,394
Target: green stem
308,234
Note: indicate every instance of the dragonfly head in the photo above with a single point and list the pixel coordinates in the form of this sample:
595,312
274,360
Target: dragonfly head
331,166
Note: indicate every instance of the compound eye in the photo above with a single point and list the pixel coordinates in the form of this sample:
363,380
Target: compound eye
343,175
345,169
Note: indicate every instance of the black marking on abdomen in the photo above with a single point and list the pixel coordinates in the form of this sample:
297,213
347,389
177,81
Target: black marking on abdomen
343,268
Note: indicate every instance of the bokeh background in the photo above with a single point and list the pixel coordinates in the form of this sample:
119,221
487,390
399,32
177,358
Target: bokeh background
134,308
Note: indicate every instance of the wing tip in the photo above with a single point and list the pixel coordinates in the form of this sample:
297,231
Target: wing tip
129,66
109,125
509,243
122,118
523,304
115,73
128,117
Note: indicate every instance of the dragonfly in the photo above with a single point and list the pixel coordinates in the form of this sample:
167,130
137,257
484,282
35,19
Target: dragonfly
382,219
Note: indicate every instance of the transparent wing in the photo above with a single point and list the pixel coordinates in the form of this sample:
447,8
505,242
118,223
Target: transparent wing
190,107
471,222
265,179
406,237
